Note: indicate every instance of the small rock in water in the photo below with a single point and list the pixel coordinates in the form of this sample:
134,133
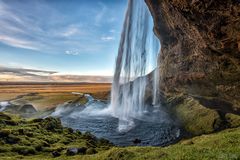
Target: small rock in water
56,154
72,151
136,141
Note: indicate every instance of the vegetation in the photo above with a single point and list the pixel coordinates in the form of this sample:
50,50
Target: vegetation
45,137
49,95
196,118
48,139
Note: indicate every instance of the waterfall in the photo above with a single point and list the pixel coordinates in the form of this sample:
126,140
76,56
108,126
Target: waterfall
137,56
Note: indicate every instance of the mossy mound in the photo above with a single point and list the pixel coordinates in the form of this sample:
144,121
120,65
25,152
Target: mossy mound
196,118
35,137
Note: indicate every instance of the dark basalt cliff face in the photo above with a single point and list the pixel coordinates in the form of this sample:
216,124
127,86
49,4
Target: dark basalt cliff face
200,60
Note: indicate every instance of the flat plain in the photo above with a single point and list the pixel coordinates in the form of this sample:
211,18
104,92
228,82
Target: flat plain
48,95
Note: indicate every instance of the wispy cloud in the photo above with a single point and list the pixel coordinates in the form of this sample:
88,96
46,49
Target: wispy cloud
70,31
23,74
107,38
20,43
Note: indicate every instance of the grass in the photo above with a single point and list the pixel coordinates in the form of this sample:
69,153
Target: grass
45,101
38,139
12,89
49,95
42,137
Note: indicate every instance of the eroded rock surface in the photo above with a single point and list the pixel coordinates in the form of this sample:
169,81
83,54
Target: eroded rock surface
200,52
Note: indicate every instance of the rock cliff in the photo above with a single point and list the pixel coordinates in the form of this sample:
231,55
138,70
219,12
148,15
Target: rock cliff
199,60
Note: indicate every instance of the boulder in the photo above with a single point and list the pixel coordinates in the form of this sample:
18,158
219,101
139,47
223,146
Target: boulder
27,109
137,141
72,151
56,154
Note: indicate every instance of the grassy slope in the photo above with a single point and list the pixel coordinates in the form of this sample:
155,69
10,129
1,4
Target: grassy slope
221,145
44,101
21,138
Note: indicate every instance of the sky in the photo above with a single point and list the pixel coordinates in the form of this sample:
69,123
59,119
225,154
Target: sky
59,37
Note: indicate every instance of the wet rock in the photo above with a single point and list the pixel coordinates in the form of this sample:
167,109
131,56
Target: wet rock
56,154
27,109
72,151
137,141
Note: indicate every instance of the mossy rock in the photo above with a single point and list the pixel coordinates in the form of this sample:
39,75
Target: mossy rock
4,116
24,150
91,151
4,132
52,124
233,120
12,139
4,149
197,119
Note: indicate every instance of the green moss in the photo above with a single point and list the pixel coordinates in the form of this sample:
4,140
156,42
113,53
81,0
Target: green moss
222,145
24,150
120,154
5,132
91,151
233,120
196,118
4,149
51,124
43,137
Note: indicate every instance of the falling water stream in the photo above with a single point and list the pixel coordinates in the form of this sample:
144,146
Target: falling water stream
138,46
128,116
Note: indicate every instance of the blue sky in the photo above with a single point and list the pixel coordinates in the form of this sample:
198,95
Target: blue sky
78,37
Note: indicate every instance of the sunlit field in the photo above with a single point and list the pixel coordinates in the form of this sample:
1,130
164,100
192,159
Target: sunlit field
48,95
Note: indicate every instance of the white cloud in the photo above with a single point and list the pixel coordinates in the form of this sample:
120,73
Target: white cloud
107,38
73,52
